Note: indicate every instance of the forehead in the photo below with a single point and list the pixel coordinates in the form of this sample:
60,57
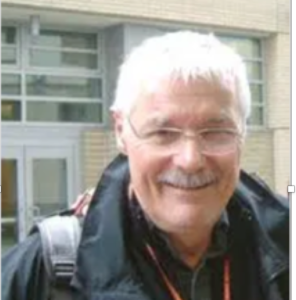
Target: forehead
185,102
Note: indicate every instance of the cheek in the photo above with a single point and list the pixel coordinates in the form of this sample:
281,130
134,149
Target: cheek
229,168
144,168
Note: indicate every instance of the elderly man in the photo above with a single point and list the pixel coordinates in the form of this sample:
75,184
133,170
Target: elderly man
174,216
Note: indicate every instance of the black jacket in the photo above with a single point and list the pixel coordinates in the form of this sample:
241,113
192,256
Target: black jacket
112,264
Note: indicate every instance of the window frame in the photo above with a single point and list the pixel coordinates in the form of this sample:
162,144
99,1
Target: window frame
23,68
15,46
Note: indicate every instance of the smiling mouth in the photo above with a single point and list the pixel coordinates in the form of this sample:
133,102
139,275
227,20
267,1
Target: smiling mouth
188,188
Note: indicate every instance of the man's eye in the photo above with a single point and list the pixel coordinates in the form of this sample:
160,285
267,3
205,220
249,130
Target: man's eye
164,136
165,133
221,135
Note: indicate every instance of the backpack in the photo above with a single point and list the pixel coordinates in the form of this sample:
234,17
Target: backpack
60,236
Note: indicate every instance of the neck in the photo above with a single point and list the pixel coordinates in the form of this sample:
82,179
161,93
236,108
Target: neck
191,247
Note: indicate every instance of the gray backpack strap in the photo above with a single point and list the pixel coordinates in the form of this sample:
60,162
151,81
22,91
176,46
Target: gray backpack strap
60,236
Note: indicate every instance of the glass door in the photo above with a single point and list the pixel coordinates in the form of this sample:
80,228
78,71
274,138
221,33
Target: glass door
50,180
37,181
12,204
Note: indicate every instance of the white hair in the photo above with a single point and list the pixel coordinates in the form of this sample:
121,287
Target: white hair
185,55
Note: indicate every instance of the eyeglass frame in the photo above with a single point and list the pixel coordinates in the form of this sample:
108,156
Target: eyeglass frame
196,136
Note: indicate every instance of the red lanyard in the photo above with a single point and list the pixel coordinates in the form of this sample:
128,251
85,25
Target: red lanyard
173,291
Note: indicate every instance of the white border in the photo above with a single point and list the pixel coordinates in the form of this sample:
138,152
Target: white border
292,196
1,156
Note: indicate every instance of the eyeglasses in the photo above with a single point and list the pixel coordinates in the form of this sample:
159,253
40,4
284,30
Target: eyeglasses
211,141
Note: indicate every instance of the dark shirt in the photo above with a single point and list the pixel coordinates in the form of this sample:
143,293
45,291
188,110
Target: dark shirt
193,284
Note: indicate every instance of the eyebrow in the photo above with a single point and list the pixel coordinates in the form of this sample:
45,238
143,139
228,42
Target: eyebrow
219,120
164,121
158,121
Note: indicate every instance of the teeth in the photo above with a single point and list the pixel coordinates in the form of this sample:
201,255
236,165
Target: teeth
179,179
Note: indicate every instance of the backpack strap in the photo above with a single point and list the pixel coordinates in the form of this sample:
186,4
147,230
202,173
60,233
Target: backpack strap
60,236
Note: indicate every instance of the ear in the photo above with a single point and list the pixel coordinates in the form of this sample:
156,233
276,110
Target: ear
118,121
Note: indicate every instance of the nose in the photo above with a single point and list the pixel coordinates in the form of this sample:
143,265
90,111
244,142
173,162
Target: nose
188,156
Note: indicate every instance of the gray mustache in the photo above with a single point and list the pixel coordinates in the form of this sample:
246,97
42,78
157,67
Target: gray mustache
187,181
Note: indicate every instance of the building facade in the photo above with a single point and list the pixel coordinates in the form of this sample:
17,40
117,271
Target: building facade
60,62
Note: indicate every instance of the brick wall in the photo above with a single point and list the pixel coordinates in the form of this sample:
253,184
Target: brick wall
263,15
277,65
257,155
98,149
282,163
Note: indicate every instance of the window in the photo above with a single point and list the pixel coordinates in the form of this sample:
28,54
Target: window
64,50
10,103
250,50
62,59
11,84
9,45
59,80
48,111
10,110
64,86
60,39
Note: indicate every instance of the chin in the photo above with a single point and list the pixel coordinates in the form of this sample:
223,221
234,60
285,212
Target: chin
183,226
184,216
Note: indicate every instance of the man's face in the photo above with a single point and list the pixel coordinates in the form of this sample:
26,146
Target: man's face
178,187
